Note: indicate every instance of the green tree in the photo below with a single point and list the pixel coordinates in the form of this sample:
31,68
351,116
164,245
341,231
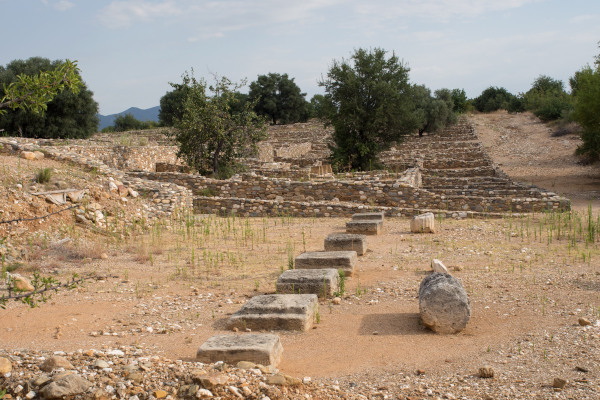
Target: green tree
214,130
586,91
319,106
369,106
460,100
278,98
171,104
45,99
547,99
492,99
433,113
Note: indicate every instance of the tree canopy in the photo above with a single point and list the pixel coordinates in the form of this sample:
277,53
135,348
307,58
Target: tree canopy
433,113
278,98
492,99
370,105
586,90
547,99
215,128
45,99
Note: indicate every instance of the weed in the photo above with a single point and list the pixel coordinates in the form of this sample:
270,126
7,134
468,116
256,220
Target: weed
44,175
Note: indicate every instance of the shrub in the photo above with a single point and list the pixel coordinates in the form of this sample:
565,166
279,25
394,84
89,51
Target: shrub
43,175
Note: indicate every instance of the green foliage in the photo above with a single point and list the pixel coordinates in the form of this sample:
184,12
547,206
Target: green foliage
128,122
586,90
492,99
459,100
433,113
278,98
318,106
369,105
547,99
44,175
45,99
211,135
171,104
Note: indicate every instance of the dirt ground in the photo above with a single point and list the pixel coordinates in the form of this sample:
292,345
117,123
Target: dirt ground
173,287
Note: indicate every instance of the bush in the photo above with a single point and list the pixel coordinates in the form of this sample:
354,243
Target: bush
44,175
493,99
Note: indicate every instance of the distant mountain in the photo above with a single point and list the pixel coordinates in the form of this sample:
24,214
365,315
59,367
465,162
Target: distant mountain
150,114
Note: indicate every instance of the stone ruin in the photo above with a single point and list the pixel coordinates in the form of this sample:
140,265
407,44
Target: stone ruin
448,173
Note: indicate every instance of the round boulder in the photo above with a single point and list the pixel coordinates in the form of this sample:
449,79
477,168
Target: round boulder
443,303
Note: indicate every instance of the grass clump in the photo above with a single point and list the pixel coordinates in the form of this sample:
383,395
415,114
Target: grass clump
44,175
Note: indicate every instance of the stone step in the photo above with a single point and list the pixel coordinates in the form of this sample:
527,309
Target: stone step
344,260
375,216
346,242
258,348
291,312
364,227
322,282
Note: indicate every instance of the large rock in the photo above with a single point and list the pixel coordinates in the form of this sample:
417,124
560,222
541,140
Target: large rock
262,349
28,155
22,284
443,303
346,242
66,385
424,223
364,227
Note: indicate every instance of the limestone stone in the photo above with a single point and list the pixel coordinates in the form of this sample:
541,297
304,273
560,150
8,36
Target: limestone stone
5,366
344,260
263,349
375,216
38,155
322,282
28,155
65,385
424,223
443,303
55,362
347,242
364,227
438,266
22,284
292,312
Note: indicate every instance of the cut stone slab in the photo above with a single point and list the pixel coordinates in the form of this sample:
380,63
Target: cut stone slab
443,303
376,216
344,260
290,312
364,227
322,282
346,242
258,348
424,223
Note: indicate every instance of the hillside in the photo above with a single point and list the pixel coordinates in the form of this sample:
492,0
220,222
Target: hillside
149,114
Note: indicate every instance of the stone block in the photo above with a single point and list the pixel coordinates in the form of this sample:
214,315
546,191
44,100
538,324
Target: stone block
344,260
443,303
257,348
322,282
364,227
424,223
375,216
290,312
347,242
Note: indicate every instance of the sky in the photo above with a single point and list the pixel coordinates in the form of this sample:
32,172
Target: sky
129,50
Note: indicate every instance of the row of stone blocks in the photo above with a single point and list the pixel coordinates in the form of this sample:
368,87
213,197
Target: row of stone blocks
293,308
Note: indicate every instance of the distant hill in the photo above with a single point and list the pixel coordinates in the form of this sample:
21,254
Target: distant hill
150,114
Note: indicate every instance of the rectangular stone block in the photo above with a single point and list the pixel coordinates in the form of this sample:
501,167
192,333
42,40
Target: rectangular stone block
364,227
344,260
375,216
346,241
290,312
322,282
262,349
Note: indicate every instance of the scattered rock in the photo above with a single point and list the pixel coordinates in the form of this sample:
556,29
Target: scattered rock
28,155
5,366
584,321
55,362
22,284
559,383
424,223
486,372
66,385
438,266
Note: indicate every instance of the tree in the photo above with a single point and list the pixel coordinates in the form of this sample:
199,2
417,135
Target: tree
586,91
319,106
370,106
45,99
460,100
547,99
171,104
278,98
492,99
213,129
433,113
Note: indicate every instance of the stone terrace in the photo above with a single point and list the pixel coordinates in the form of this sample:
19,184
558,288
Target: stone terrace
448,173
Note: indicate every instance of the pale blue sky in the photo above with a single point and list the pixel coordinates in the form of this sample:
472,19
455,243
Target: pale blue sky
128,50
